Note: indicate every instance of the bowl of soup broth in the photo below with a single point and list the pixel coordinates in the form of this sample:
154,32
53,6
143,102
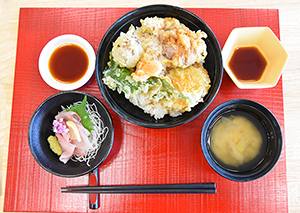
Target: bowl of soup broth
253,57
241,140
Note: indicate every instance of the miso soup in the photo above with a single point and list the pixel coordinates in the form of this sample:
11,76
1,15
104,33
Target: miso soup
238,141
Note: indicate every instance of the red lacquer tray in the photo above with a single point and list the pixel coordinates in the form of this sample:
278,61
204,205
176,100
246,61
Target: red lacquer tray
139,155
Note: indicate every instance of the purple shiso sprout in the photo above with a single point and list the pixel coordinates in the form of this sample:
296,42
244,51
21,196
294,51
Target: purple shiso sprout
60,127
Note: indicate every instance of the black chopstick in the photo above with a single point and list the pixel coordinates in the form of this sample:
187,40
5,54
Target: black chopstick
146,191
137,189
157,186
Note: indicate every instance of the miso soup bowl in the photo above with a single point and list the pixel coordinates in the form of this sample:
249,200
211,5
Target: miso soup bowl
270,47
270,127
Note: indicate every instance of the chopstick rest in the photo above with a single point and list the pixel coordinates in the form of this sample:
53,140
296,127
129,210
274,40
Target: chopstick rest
93,181
142,189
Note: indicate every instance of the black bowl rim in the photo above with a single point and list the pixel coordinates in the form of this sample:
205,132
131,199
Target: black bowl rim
154,125
273,121
91,168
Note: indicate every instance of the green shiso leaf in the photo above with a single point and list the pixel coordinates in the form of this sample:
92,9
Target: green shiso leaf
80,109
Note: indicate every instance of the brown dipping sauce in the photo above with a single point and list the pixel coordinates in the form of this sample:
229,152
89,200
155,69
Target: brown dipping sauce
68,63
247,63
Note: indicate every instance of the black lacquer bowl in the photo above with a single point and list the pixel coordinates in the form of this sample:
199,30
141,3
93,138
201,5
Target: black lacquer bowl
270,131
40,128
118,102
